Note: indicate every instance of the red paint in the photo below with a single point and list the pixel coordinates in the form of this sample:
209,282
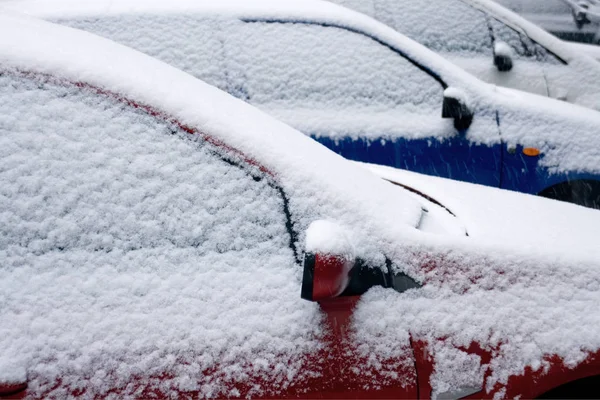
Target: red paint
12,390
331,276
535,383
530,384
425,366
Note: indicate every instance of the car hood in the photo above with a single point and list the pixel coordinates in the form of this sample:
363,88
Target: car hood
513,219
589,49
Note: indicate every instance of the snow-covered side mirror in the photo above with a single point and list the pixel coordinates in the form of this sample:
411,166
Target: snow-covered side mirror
331,268
579,11
456,106
502,56
328,261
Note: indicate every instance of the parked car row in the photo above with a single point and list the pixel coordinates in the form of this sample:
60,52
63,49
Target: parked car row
161,238
371,94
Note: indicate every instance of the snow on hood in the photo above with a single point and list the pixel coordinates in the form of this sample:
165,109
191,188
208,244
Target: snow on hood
592,50
546,310
511,218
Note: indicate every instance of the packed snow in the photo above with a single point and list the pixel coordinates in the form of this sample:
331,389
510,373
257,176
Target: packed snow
121,262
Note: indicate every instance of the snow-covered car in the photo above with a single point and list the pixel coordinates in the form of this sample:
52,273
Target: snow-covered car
362,89
562,18
153,231
495,45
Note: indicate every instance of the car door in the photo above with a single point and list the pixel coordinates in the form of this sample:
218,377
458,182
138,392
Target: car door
358,96
155,261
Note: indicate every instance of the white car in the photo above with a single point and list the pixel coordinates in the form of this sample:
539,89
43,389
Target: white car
494,44
573,20
153,231
554,16
362,89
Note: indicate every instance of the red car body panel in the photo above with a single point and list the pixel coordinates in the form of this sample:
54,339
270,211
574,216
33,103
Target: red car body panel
336,359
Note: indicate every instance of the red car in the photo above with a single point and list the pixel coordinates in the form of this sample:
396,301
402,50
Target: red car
161,239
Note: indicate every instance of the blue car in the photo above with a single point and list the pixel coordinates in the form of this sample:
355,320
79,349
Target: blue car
363,90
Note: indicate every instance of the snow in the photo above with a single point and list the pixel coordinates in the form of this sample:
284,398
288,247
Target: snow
458,94
526,310
575,82
502,49
125,247
336,89
172,300
462,34
515,220
130,252
327,237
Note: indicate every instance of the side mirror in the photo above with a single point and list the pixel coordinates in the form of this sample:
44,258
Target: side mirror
502,56
579,12
328,260
456,106
331,269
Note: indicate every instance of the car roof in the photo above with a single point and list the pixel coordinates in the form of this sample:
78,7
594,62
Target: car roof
313,11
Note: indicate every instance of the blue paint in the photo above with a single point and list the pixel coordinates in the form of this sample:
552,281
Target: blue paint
456,158
523,173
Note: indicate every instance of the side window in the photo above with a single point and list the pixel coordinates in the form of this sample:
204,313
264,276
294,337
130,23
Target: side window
441,25
102,176
308,66
189,43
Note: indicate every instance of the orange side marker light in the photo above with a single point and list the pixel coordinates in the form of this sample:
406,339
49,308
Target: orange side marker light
531,151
